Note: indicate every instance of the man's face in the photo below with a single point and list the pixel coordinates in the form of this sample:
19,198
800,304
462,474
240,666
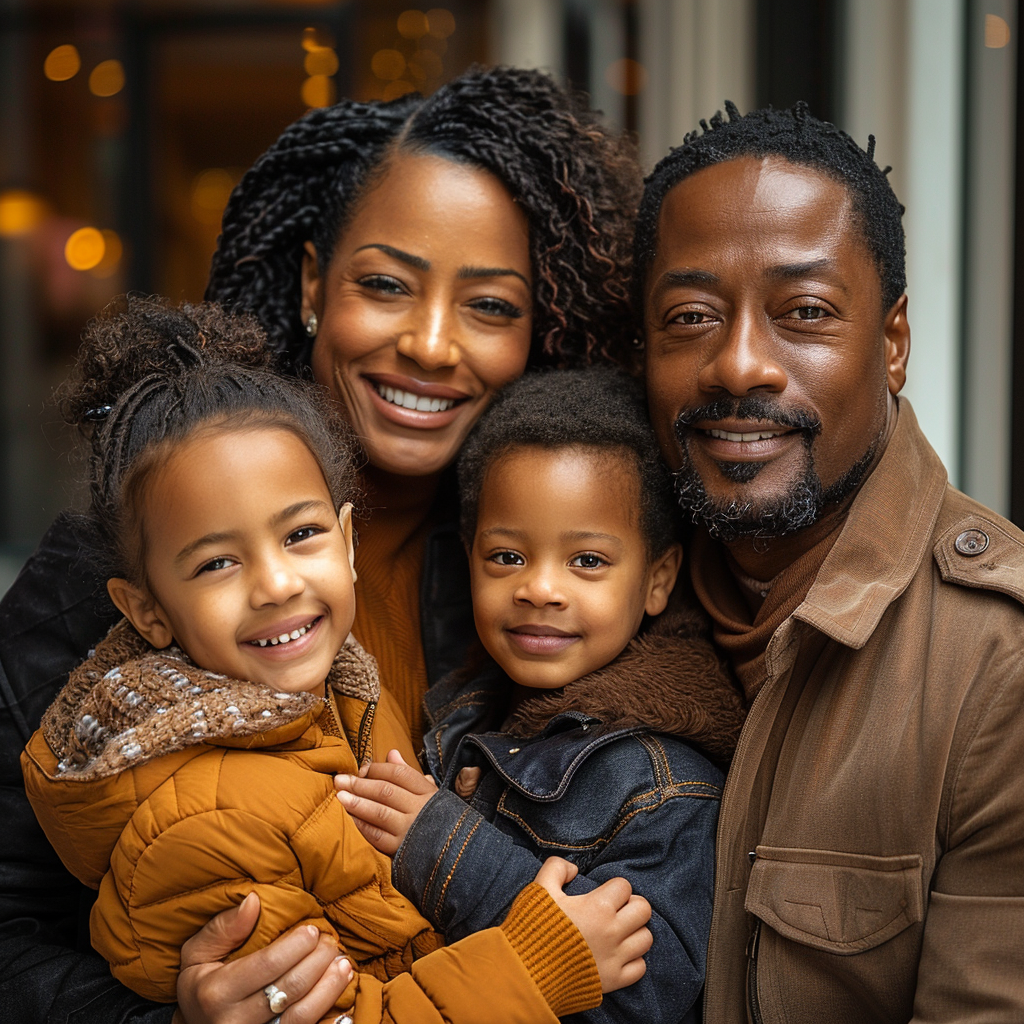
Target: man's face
769,357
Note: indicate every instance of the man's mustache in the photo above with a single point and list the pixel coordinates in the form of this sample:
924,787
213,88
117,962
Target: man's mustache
751,407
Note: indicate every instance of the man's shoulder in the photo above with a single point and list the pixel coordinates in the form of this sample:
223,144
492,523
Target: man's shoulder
977,548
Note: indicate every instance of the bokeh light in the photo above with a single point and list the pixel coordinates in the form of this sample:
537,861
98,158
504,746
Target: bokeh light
210,191
395,89
318,91
413,24
997,32
112,252
442,22
62,63
388,65
321,61
107,78
20,212
626,76
85,249
425,64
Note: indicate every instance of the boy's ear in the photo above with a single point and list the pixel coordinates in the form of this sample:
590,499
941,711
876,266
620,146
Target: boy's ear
661,578
345,520
140,608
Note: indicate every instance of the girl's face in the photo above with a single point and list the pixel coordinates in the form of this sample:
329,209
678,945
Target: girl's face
560,571
424,310
248,565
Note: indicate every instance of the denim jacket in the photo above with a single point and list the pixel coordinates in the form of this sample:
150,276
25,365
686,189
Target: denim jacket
595,787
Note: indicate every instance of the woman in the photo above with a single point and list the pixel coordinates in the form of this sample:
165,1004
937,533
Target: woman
417,256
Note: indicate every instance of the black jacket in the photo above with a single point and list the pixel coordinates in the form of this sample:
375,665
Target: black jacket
55,611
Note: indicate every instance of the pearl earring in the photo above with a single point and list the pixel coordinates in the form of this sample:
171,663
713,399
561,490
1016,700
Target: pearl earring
312,325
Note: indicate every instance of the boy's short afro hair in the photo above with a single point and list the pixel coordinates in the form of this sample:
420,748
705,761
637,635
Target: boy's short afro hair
596,408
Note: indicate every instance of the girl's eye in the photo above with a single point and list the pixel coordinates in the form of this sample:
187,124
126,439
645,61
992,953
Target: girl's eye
383,283
507,558
491,306
215,565
587,561
303,533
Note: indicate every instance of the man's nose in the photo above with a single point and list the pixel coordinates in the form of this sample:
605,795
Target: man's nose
744,358
430,338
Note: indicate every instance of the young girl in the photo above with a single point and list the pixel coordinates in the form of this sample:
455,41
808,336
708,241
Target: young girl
189,761
571,740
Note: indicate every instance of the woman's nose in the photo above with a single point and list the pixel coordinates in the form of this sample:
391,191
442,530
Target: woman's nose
745,359
429,340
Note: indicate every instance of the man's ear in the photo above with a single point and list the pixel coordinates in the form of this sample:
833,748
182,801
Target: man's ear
312,284
345,520
140,608
661,578
897,345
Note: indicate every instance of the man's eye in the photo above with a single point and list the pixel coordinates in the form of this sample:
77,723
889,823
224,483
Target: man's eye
507,558
588,561
692,317
809,313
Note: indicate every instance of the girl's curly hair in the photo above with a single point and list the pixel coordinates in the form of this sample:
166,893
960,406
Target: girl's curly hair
577,183
149,375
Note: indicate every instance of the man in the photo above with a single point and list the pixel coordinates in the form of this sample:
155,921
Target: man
871,844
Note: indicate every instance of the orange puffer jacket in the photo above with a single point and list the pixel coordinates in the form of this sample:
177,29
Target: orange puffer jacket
177,791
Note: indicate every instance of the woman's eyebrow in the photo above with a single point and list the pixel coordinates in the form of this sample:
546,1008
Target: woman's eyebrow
467,272
405,257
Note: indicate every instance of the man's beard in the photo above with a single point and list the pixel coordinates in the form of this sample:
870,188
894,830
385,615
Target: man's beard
802,506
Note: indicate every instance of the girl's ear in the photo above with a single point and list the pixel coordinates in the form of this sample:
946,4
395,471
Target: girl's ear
140,608
345,519
661,578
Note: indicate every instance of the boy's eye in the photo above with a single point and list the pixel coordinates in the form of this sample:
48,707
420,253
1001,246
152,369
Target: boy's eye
303,533
507,558
587,561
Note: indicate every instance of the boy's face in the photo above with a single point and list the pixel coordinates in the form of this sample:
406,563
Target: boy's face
242,545
560,571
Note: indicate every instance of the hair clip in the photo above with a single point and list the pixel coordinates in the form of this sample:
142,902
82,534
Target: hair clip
101,412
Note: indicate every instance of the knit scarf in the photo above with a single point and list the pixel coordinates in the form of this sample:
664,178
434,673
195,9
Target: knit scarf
744,641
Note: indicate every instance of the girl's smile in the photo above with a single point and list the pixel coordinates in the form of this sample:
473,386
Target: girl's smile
248,567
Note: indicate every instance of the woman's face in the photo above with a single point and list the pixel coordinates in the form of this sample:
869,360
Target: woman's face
424,310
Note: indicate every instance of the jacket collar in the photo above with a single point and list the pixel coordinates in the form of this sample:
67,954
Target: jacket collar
129,703
887,534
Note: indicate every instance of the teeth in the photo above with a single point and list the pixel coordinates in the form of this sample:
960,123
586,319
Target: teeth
407,400
284,637
757,435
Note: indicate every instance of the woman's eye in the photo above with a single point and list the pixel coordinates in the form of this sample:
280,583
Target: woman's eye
215,565
303,533
507,558
491,306
383,283
587,561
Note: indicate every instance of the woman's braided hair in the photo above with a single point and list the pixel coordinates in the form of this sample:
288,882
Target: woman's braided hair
149,375
577,183
799,137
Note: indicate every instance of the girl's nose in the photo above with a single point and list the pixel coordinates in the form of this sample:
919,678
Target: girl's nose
275,581
539,588
429,340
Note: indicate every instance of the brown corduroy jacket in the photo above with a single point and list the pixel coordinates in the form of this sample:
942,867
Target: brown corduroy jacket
870,865
176,791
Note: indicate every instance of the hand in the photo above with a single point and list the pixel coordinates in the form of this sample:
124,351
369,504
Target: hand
384,799
304,963
611,918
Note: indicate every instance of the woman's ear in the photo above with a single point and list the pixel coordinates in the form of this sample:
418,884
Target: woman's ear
312,284
345,520
140,608
661,578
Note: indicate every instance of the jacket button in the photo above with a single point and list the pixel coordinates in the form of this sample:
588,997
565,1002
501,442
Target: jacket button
971,542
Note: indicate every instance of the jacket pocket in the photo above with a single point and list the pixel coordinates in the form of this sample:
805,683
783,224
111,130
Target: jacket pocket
841,903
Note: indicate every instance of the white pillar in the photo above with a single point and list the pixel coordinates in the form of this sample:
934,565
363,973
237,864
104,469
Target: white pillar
527,34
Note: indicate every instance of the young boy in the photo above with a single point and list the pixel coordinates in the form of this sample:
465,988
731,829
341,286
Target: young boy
569,739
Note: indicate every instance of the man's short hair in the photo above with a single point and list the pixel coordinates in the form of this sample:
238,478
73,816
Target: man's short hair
797,136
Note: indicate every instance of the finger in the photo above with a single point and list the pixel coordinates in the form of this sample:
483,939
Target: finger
555,874
367,809
636,913
319,1000
633,971
383,842
615,893
637,944
401,775
395,757
222,934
